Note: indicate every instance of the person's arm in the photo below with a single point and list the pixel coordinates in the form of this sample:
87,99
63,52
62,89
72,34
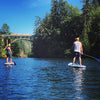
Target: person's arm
81,49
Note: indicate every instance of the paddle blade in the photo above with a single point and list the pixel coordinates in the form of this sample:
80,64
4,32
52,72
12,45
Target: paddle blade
97,59
14,63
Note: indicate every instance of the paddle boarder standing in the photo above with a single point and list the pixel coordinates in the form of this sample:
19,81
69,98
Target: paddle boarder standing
78,50
9,53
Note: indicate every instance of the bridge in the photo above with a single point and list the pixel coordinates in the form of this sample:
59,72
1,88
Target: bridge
19,36
16,37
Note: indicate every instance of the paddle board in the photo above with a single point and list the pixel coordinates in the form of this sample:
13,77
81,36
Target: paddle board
76,65
8,63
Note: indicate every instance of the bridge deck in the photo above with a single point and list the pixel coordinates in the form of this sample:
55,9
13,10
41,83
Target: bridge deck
17,35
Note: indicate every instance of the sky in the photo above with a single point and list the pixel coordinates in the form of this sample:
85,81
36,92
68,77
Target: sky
20,15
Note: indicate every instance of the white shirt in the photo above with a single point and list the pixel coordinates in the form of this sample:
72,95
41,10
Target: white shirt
77,46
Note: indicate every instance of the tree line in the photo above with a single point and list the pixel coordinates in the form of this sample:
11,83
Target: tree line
54,34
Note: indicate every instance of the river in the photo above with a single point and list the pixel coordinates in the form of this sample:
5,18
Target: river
49,79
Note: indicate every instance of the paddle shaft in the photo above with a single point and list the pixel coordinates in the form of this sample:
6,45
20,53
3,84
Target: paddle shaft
92,57
89,56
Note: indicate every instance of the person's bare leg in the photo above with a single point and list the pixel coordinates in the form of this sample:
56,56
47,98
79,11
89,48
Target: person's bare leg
10,60
80,60
74,59
7,59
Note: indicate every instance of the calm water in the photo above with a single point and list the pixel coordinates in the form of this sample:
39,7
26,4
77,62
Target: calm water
49,79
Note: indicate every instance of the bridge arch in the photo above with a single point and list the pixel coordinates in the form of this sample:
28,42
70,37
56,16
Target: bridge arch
16,40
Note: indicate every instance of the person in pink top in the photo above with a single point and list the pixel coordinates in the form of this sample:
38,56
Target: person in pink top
78,50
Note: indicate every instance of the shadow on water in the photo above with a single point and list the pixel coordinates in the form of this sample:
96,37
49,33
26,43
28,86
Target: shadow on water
49,79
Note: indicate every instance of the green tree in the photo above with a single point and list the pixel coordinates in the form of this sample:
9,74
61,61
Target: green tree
2,52
5,29
87,18
53,32
89,10
94,34
15,49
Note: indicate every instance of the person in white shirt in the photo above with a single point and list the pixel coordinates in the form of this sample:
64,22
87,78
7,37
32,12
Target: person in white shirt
78,50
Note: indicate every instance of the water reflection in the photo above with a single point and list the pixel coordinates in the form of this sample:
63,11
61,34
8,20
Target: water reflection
9,66
48,79
78,83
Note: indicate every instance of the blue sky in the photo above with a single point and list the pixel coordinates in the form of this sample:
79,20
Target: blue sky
20,15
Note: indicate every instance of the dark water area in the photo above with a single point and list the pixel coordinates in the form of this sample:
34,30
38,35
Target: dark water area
49,79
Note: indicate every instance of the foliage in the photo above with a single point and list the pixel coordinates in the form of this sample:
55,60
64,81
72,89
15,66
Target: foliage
19,46
54,35
15,49
5,29
94,34
2,52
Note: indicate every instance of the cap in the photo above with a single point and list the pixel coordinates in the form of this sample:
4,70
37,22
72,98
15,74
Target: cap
9,45
77,38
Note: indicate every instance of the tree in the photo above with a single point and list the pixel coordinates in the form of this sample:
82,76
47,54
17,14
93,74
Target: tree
55,32
89,10
96,3
94,34
55,14
15,49
86,24
2,52
5,29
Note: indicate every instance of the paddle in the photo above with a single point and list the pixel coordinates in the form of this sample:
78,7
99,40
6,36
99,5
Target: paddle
14,63
92,57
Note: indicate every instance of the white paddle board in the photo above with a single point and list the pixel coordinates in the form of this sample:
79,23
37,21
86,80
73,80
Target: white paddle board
76,65
8,63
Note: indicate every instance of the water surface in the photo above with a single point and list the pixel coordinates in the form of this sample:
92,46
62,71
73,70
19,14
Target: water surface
49,79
